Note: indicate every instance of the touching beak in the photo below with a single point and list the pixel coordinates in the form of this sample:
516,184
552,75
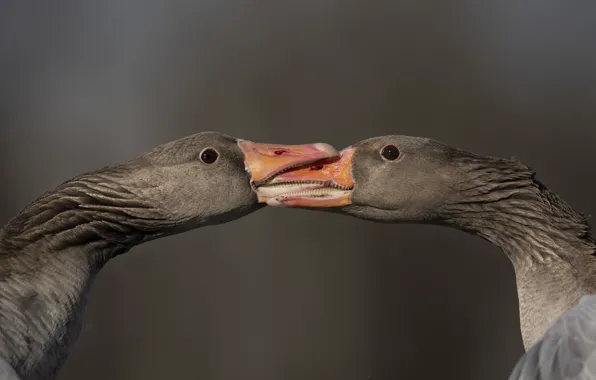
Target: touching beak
327,183
265,161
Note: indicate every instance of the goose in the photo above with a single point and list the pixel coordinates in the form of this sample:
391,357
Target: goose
405,179
53,249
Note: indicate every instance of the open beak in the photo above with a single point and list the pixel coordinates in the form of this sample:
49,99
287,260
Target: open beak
324,183
265,161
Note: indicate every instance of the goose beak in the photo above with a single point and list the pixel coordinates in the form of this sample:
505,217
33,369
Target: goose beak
325,183
264,161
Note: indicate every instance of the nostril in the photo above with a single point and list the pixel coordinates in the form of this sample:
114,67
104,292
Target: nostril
279,152
316,167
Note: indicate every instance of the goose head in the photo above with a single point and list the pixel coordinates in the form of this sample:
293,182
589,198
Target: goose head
203,179
391,178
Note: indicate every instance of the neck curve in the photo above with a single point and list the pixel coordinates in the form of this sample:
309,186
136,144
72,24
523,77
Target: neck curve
502,202
49,255
95,208
549,244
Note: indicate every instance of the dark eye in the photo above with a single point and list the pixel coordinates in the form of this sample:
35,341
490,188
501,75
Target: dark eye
390,152
209,155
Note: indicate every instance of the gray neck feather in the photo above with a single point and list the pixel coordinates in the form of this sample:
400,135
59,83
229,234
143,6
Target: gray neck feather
549,244
50,253
501,201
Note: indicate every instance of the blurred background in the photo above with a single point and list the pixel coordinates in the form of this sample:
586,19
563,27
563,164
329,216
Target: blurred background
288,294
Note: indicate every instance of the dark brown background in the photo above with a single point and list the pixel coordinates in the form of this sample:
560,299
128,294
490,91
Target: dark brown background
287,294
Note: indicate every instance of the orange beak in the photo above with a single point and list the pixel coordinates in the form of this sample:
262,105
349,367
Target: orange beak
265,161
325,183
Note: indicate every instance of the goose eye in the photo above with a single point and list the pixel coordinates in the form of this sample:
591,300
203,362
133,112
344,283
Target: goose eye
390,152
209,155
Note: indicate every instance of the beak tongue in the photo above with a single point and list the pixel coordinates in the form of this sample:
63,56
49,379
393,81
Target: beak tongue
264,161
